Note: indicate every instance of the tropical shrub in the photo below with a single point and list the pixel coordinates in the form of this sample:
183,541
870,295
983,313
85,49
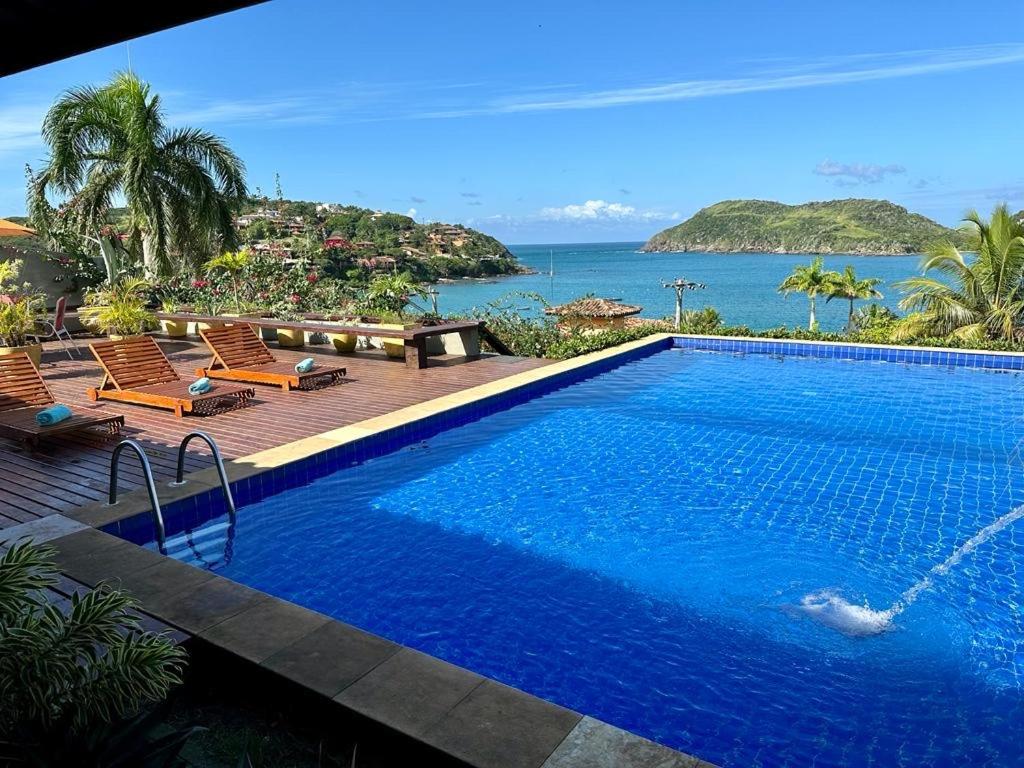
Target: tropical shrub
391,293
232,264
875,324
576,343
73,682
705,320
19,306
516,325
120,309
517,321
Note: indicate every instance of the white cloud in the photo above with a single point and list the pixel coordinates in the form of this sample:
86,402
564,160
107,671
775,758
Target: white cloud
411,213
851,174
20,127
601,210
292,109
840,70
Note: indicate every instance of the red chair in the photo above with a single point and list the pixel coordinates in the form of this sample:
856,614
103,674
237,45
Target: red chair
55,329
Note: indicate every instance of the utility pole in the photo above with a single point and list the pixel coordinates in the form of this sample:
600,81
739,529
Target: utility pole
432,292
679,285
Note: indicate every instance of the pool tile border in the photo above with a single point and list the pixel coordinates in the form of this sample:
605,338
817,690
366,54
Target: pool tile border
843,350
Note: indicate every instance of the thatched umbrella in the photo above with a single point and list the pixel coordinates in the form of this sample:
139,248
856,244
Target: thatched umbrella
594,311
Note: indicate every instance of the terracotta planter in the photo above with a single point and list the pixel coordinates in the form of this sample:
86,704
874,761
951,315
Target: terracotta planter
290,337
175,329
34,351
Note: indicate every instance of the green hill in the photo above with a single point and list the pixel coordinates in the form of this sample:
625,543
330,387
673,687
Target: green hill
869,227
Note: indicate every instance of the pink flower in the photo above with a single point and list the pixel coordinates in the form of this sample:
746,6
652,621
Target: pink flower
199,283
312,277
295,298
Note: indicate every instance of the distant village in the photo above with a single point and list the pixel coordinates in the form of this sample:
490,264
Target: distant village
371,237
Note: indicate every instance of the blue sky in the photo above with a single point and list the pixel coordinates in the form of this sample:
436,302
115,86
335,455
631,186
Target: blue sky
573,122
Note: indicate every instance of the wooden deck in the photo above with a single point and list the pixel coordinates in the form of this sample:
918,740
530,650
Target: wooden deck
69,471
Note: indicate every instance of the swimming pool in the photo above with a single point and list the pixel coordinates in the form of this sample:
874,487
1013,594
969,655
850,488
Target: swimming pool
639,546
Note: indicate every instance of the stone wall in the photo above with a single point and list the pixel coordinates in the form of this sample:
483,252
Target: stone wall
42,274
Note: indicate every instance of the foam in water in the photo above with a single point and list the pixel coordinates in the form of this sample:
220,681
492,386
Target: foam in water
828,608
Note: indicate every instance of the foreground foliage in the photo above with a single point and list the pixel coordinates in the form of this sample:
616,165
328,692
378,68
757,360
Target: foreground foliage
73,682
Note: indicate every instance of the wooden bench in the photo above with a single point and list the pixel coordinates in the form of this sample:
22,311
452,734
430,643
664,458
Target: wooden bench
415,338
23,394
135,370
239,354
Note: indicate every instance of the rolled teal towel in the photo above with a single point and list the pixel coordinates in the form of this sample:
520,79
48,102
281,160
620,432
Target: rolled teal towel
199,386
53,415
304,366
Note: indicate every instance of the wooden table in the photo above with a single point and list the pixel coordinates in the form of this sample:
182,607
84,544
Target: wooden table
415,338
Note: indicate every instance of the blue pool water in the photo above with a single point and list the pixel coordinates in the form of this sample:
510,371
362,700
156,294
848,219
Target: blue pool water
636,547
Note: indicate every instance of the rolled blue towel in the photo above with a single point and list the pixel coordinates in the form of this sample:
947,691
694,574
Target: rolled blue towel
199,386
304,366
53,415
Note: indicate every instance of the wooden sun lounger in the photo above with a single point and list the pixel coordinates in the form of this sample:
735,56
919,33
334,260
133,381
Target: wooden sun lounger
23,394
239,354
135,370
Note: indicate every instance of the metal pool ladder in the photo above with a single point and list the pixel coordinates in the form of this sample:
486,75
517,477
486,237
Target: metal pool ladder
179,477
147,471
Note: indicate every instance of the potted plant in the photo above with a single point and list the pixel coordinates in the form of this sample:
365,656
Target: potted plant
389,295
120,310
175,329
342,313
289,337
233,264
209,304
19,308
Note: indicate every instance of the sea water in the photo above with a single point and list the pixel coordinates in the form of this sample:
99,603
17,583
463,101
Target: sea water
741,286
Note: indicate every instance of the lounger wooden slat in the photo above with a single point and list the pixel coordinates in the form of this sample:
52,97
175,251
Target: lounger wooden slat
23,394
239,354
135,370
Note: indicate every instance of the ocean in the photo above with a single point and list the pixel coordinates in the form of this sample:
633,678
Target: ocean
741,286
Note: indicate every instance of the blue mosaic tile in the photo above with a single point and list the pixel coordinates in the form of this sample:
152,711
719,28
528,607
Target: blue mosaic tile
909,356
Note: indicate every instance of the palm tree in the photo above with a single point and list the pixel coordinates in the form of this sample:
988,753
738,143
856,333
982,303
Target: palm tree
111,142
980,300
812,280
845,285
